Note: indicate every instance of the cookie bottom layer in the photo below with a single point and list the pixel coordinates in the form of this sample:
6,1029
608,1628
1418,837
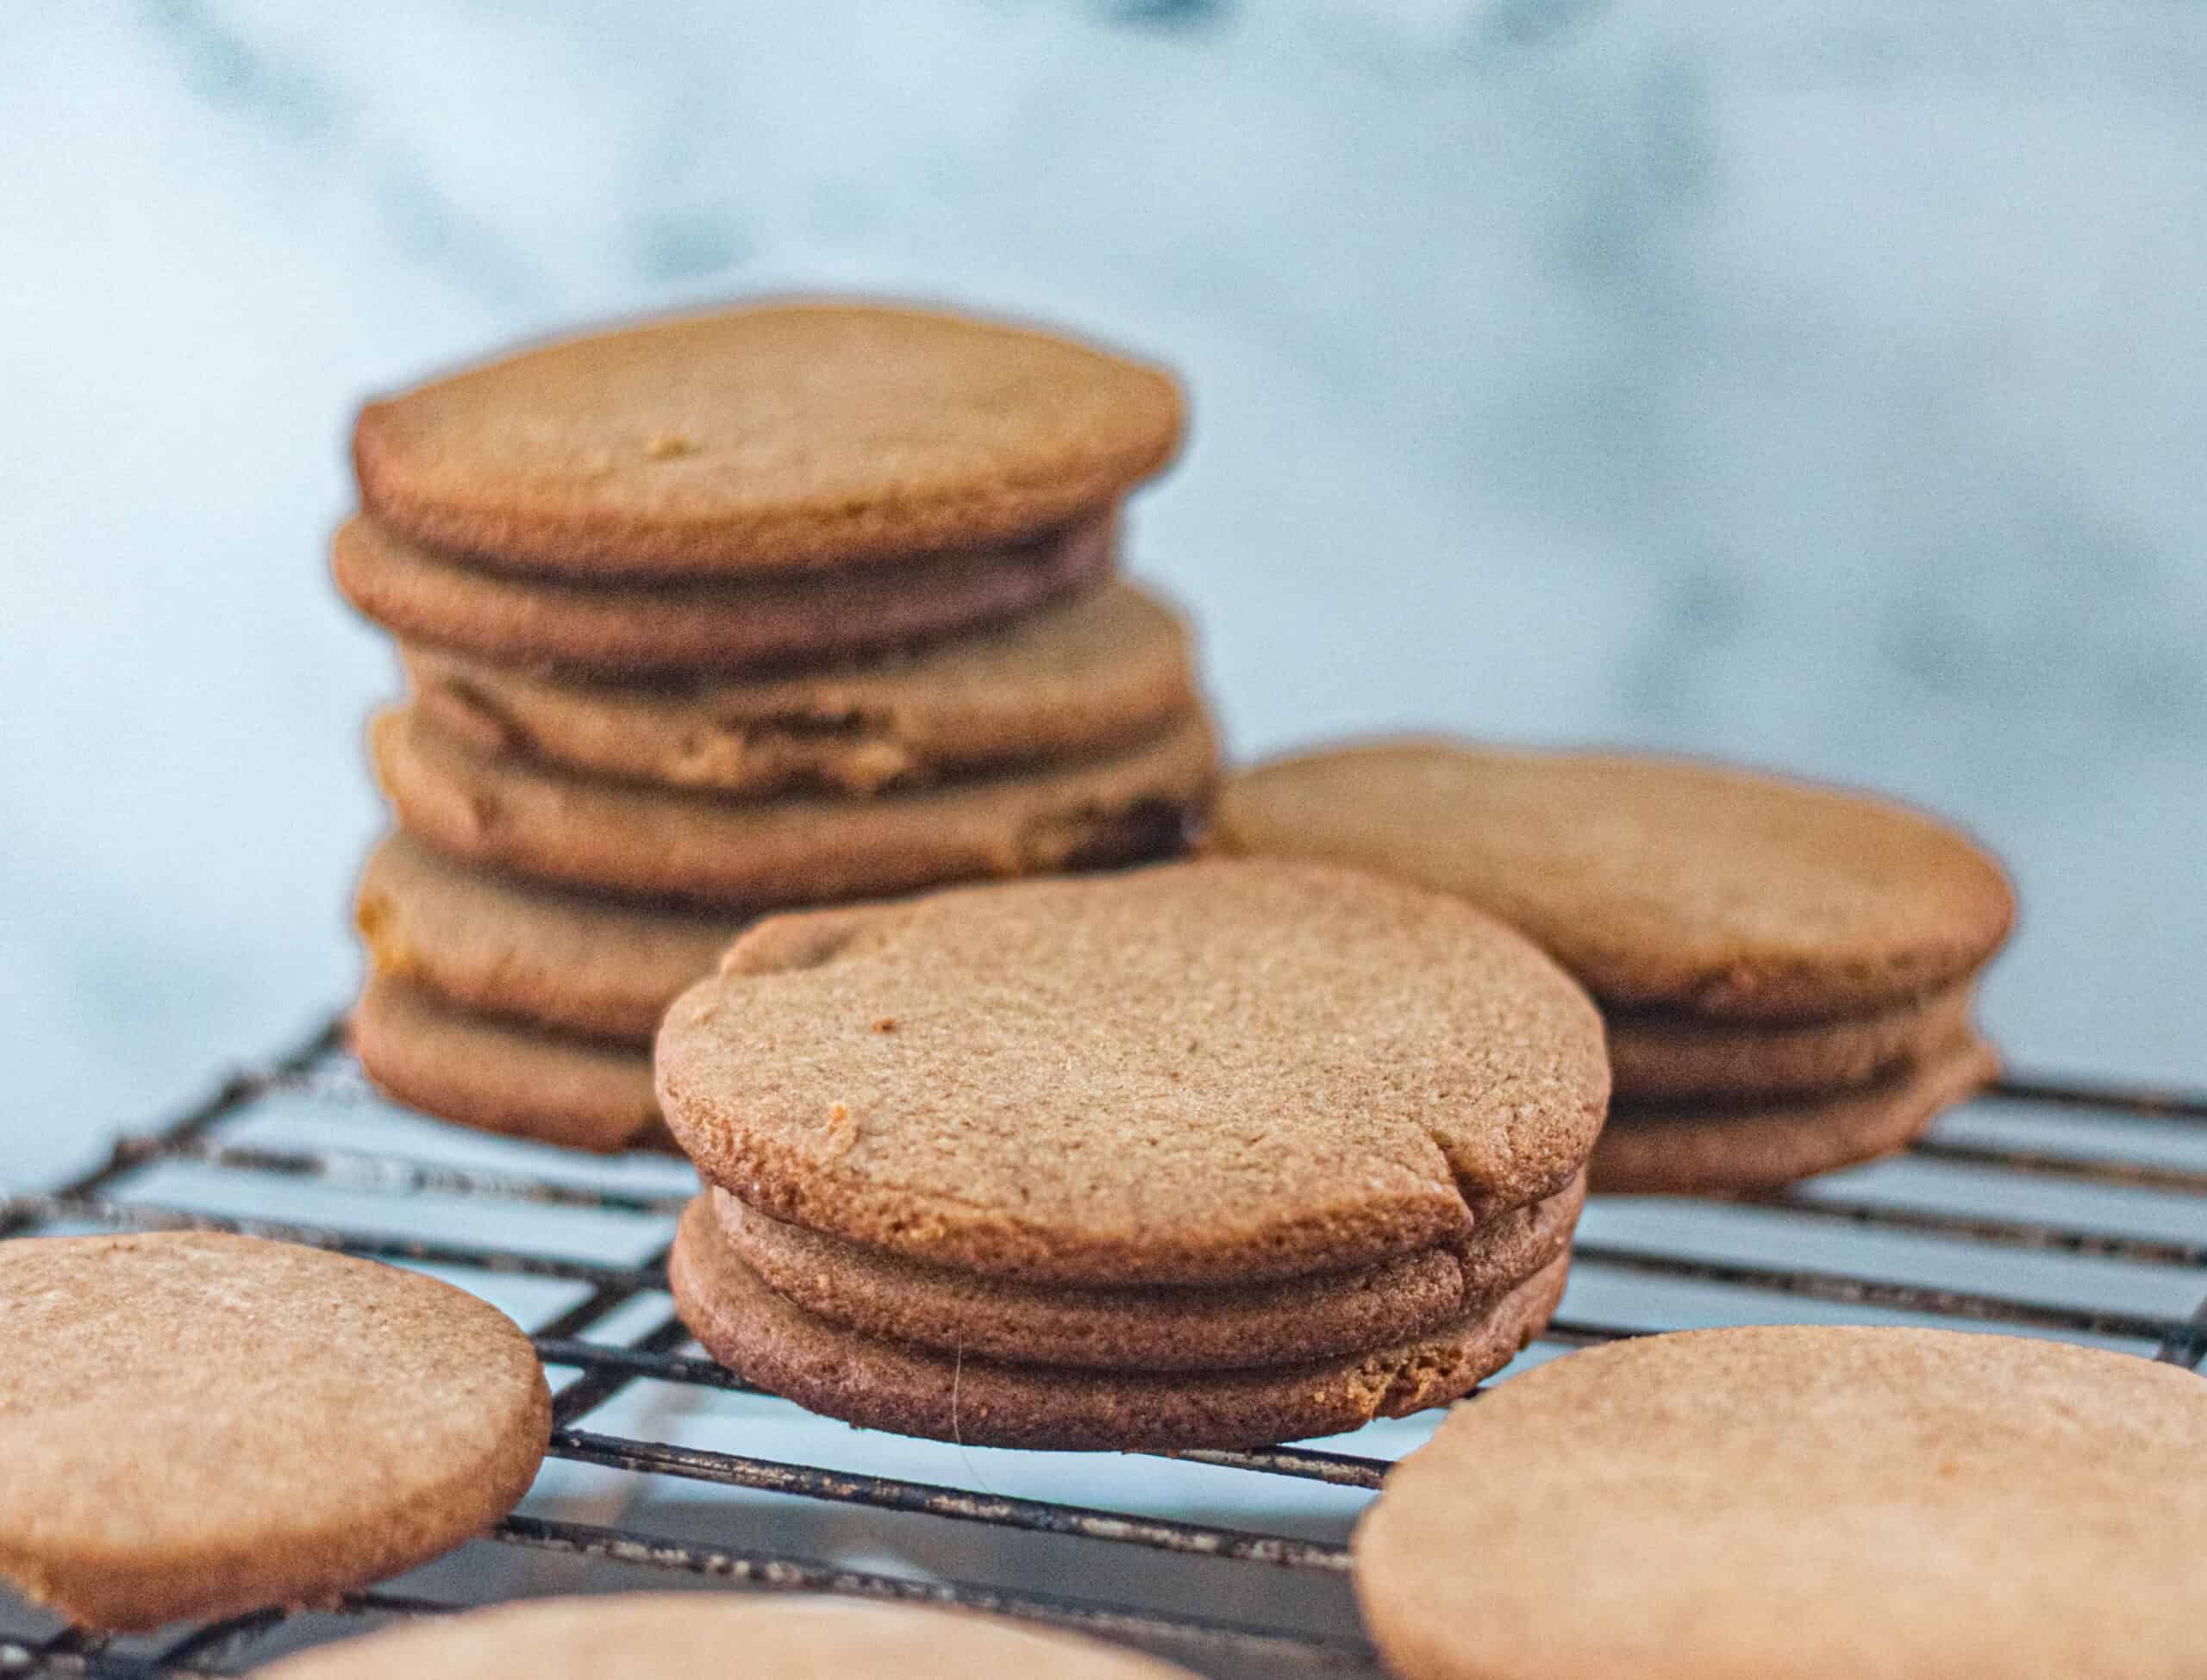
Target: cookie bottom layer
882,1385
606,968
501,1076
1737,1151
628,630
1667,1057
1155,1328
616,838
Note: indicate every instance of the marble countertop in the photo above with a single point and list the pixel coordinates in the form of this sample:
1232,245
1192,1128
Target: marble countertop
1817,384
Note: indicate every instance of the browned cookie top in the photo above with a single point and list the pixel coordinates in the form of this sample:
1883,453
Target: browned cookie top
1761,1503
772,436
670,1636
1200,1072
194,1424
1656,881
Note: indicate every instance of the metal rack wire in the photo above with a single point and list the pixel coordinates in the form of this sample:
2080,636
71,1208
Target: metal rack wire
2095,1195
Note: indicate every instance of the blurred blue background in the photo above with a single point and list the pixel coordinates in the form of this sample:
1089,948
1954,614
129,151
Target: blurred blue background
1817,384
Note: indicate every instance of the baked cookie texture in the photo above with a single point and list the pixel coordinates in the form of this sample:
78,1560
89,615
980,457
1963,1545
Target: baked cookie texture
615,837
197,1425
770,438
1824,1501
1206,1153
796,603
677,1636
1771,955
656,629
1109,667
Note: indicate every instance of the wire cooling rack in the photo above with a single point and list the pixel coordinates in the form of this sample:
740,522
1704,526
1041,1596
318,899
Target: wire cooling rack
2048,1207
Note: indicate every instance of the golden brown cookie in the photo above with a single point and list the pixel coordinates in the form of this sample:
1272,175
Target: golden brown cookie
196,1424
944,1396
611,836
500,1076
1105,669
1198,1073
1286,1323
495,945
1776,1503
1730,1149
682,1636
765,437
1678,1058
1661,883
628,629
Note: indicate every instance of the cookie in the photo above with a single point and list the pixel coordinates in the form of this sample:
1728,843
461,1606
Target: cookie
913,1390
1661,883
608,835
1198,1073
679,1636
1102,671
1771,1503
646,628
495,945
499,1076
1701,1149
198,1425
1677,1058
768,438
1287,1323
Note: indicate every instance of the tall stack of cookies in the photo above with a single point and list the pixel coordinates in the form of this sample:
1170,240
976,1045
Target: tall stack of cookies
1786,970
1210,1154
775,606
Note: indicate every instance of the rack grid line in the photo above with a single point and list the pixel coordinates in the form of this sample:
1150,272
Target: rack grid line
596,1369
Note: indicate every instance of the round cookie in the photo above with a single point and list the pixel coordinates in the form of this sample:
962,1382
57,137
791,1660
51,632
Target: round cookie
1738,1151
1764,1503
647,628
1290,1321
499,1076
1661,883
1198,1073
1674,1058
1107,668
768,438
604,967
197,1425
617,837
947,1397
680,1636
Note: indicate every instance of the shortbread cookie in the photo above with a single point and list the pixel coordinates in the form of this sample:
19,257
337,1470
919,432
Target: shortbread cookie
196,1424
500,1076
945,1396
1678,1058
1779,1503
497,945
1106,669
1661,883
1290,1321
643,628
680,1636
768,438
1712,1149
608,835
1199,1073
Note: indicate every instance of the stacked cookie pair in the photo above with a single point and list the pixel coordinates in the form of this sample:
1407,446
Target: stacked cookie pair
1208,1154
784,605
1786,970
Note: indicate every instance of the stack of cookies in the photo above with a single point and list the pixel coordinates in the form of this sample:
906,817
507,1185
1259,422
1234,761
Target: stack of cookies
1208,1154
782,605
1786,970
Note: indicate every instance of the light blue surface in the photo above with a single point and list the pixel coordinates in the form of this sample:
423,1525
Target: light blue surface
1815,383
